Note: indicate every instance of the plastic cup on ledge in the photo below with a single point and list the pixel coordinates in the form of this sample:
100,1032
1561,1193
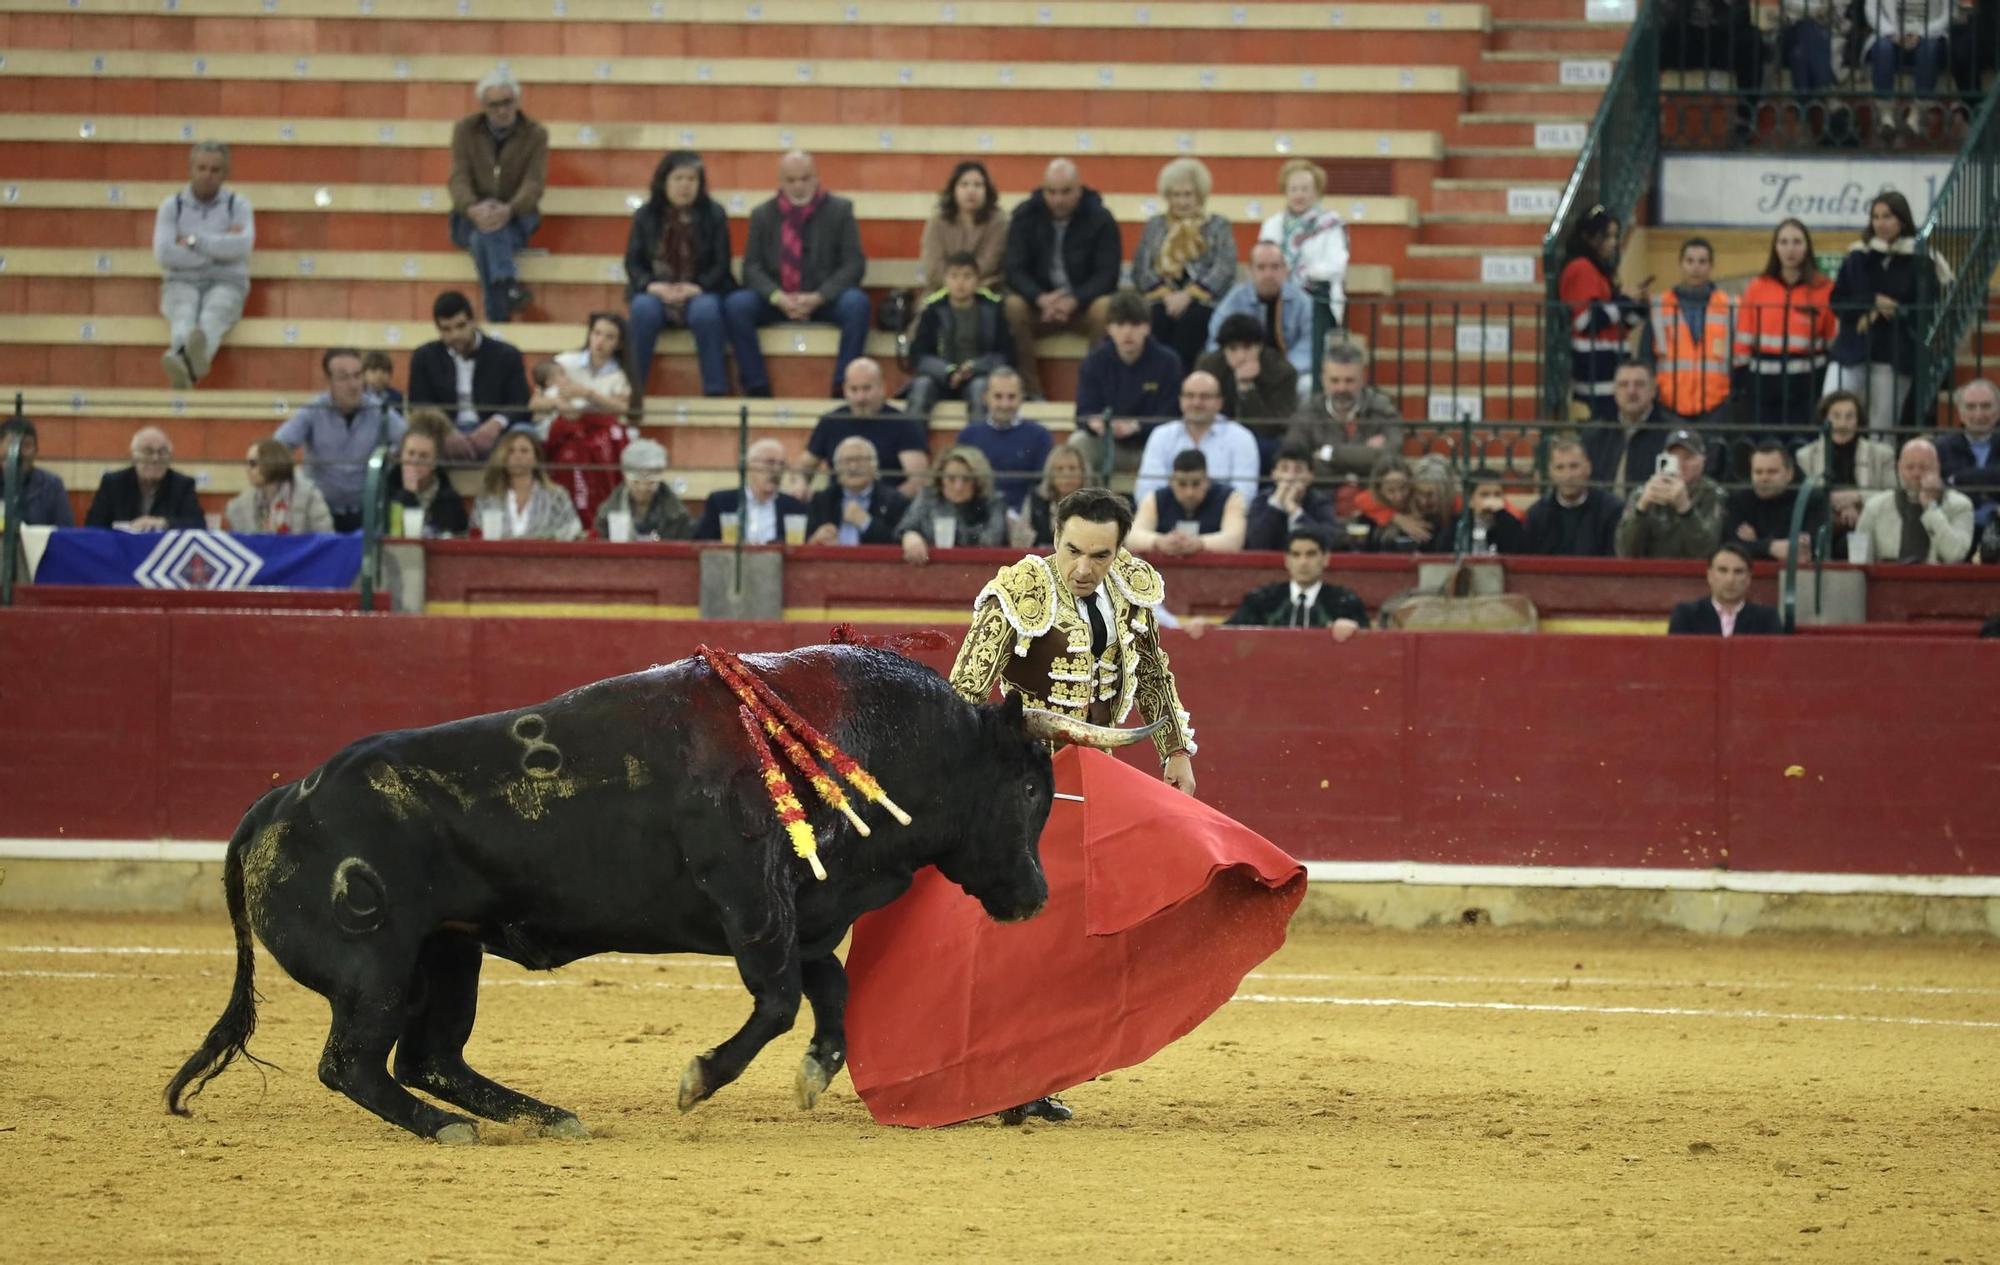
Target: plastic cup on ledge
618,525
730,528
492,524
944,531
795,529
1859,547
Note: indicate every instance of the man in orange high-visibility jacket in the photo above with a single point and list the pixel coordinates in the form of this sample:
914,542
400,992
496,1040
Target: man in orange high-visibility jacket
1693,332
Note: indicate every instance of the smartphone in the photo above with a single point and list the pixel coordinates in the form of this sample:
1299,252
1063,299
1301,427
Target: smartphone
1667,463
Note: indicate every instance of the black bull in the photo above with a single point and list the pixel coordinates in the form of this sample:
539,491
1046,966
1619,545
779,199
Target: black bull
625,816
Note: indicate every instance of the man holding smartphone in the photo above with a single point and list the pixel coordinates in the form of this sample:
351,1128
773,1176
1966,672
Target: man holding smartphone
1678,513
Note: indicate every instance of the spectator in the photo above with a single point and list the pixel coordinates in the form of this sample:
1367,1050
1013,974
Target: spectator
1784,324
1759,517
1853,467
1258,383
1063,472
803,262
1191,514
1705,35
1347,425
377,373
1312,237
341,428
677,272
960,490
202,239
44,499
1063,256
591,381
1601,313
857,507
1968,459
1625,453
1230,448
1678,512
418,485
149,494
961,337
1875,352
1906,33
1425,525
1131,378
1574,520
1282,311
499,168
1386,498
643,494
764,522
901,442
1725,612
591,395
465,372
1493,525
1693,336
967,221
517,487
1811,30
276,502
1291,503
1185,260
1015,446
1922,520
1306,600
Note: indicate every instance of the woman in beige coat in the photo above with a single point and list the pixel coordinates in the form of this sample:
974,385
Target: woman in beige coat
1860,466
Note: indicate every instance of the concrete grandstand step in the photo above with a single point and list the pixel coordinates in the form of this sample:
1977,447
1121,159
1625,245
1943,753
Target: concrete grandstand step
1538,133
1481,229
1558,35
1502,265
1517,199
1503,162
1539,67
1548,101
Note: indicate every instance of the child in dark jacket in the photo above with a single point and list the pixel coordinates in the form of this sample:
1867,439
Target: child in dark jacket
961,337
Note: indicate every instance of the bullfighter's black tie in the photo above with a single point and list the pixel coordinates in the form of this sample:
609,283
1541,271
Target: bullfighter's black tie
1099,635
1299,611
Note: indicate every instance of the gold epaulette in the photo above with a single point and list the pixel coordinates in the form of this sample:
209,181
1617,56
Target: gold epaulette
1026,593
1138,581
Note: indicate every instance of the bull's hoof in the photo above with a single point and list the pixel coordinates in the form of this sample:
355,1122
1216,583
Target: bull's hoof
694,1084
458,1133
812,1082
566,1127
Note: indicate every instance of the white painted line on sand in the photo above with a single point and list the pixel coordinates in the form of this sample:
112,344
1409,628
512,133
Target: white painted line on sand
1671,1012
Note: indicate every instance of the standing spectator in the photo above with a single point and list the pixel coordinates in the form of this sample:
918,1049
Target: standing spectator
961,489
517,487
377,378
1131,378
1759,517
803,262
1191,514
1015,446
1678,512
1493,525
1922,520
1693,339
1306,600
1291,503
858,507
499,168
1968,459
585,438
1062,261
1574,520
1875,352
202,239
1726,612
1312,237
1063,472
1601,314
967,221
1185,260
44,499
1783,326
677,272
1905,33
417,487
901,442
149,494
657,514
1282,311
1854,467
1622,452
276,501
1348,425
467,373
762,522
1258,383
961,337
340,428
1228,446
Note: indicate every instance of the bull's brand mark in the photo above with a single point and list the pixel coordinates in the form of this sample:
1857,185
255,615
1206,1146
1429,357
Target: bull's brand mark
539,757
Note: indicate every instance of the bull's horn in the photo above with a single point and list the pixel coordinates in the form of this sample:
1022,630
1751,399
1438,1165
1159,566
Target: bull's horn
1054,725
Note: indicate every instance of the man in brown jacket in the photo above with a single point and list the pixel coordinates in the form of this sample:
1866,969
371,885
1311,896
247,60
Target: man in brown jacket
499,167
1347,425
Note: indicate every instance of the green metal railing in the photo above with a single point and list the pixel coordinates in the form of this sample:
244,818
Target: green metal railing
374,521
1960,232
1612,169
1788,581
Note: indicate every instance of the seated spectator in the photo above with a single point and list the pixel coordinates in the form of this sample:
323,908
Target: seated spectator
1624,450
1678,513
499,168
961,338
377,372
901,442
1185,260
1911,33
960,490
1425,525
1347,425
1015,446
1191,514
644,497
1291,503
517,488
1385,502
1704,35
590,393
276,502
1258,383
1968,459
149,494
1922,520
44,499
202,239
1306,600
967,221
591,381
1812,30
1726,612
1784,326
1759,517
677,272
1312,237
1132,378
1282,311
1063,472
1574,520
1854,466
1063,256
340,428
417,487
1230,448
763,521
803,262
1494,527
858,507
478,381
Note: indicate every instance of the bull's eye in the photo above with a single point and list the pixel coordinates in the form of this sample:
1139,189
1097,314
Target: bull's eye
1029,789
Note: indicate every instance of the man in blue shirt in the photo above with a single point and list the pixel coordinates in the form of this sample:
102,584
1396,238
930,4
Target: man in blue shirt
901,443
1133,377
340,429
44,500
1016,447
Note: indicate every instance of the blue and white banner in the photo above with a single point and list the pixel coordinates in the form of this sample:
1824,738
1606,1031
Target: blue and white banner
1757,190
199,560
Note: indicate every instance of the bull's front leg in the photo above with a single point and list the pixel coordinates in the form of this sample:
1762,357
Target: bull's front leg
769,965
825,982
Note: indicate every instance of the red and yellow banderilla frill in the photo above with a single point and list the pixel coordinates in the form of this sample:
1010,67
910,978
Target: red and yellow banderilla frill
790,812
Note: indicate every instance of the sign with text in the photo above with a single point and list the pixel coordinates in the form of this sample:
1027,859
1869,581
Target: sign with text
1756,192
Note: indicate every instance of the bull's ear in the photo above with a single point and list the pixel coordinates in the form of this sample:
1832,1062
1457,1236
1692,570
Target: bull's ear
1012,712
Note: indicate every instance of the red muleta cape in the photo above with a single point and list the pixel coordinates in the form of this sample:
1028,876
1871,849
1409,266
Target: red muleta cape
1158,906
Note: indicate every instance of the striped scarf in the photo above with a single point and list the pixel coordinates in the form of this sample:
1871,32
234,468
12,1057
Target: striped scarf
792,239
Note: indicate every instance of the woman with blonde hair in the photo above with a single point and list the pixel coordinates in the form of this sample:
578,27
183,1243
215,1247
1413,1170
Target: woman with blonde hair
278,500
516,486
1063,473
429,505
1313,237
960,489
1186,260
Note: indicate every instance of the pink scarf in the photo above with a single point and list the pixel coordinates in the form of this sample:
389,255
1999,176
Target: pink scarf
792,240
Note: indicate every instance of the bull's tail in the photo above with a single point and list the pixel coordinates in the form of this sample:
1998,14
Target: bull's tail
239,1018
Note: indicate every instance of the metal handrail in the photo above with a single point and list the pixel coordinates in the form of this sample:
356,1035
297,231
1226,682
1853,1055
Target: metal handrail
10,541
372,526
1788,586
1961,232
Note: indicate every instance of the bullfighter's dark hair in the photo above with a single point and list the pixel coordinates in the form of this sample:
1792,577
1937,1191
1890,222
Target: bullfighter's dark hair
1095,505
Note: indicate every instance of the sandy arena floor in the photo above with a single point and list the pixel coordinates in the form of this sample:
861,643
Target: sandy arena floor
1372,1096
